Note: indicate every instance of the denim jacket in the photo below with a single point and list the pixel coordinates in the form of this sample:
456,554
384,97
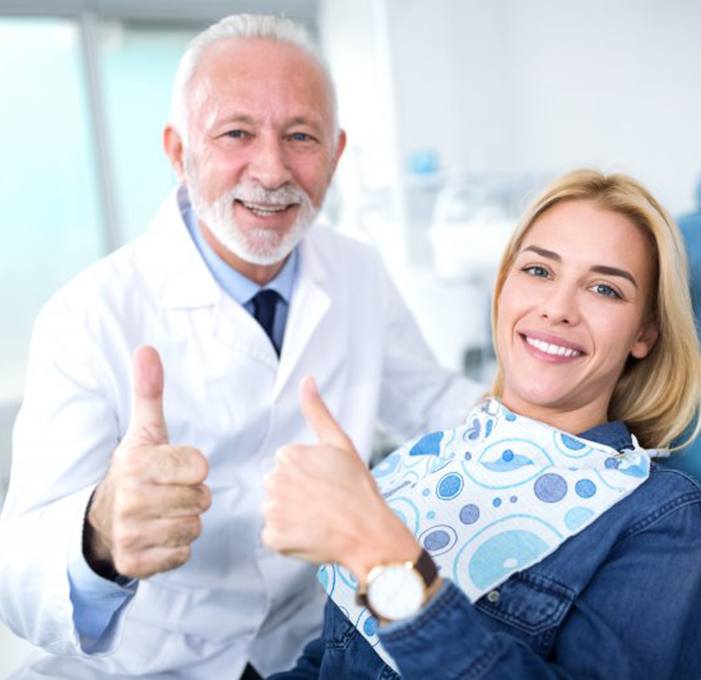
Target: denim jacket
621,599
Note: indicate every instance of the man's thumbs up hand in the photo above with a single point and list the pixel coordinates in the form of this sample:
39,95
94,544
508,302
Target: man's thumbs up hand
145,513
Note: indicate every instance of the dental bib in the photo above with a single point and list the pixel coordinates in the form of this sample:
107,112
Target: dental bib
491,498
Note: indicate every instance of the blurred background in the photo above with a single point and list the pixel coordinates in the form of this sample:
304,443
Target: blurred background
456,112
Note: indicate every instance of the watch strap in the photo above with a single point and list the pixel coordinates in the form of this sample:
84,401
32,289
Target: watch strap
426,568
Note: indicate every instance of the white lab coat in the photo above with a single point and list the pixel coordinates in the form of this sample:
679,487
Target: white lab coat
225,393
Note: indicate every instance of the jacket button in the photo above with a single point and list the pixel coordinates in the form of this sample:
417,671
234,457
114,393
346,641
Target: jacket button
493,596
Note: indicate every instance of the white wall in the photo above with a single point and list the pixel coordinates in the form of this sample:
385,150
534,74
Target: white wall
625,90
545,85
454,81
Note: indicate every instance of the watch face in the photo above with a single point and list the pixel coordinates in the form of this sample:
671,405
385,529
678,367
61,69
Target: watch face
396,592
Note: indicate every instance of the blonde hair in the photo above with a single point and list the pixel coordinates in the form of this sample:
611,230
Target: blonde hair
658,396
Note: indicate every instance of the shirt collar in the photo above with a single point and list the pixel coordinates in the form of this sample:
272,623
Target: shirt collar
235,284
614,434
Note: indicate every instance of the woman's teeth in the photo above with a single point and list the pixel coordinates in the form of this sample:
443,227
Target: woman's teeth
555,350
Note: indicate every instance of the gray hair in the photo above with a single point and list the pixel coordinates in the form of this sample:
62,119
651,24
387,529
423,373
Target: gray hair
241,27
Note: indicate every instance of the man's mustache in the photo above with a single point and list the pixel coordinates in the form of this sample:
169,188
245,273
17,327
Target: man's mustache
281,196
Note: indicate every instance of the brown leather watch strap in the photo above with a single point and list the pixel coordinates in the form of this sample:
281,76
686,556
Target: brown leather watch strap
427,568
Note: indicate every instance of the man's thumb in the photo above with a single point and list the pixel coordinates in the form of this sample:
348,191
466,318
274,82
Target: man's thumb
316,413
148,424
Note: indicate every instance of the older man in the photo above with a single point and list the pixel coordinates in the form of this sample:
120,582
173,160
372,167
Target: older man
162,380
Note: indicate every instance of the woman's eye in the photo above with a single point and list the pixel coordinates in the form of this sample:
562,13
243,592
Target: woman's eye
537,270
606,291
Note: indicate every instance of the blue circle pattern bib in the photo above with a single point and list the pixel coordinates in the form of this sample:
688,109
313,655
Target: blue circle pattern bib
491,498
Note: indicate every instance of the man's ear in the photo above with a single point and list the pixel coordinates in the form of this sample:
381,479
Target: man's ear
173,145
645,341
340,146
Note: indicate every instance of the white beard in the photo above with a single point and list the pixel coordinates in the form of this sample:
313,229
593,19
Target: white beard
257,246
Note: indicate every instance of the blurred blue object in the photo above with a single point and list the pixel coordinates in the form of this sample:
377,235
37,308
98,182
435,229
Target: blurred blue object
689,460
424,161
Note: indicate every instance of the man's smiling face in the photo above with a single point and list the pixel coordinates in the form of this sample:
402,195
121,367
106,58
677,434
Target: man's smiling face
261,146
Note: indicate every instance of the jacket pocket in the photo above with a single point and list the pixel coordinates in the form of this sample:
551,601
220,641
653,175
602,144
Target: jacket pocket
532,604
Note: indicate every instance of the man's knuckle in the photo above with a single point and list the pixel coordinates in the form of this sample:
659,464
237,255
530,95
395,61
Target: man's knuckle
124,539
200,464
181,555
205,498
128,564
195,528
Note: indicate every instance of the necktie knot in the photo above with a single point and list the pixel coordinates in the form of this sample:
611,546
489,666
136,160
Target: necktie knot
264,305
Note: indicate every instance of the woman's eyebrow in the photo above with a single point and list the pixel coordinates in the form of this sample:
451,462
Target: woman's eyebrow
614,271
550,254
598,269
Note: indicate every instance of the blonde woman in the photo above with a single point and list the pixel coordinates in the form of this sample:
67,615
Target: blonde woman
540,539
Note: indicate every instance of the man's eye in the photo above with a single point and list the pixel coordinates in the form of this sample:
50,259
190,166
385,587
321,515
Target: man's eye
301,137
605,290
537,270
237,134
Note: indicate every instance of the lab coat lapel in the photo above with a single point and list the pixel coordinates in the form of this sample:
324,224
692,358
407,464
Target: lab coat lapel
176,268
236,328
310,303
184,282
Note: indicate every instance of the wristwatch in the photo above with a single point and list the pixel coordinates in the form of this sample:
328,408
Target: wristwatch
398,590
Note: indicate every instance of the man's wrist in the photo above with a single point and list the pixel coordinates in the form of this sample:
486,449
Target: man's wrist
96,551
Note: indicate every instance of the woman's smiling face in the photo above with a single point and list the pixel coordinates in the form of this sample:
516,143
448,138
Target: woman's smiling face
574,306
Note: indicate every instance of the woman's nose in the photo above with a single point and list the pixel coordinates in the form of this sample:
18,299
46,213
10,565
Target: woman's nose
559,305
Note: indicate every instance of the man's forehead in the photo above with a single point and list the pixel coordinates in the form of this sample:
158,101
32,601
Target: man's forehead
248,77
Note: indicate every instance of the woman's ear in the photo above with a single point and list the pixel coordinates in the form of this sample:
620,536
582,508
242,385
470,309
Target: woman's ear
645,341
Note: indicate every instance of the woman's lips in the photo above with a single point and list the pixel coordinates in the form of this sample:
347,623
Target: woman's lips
551,348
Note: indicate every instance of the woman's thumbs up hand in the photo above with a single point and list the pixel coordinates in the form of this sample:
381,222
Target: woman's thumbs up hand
322,503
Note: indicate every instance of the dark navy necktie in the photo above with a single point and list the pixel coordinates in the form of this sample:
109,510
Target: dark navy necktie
264,303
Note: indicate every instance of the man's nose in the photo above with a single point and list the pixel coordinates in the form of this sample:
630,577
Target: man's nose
560,304
267,164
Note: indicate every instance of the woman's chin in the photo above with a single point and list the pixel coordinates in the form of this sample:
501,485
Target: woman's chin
538,398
